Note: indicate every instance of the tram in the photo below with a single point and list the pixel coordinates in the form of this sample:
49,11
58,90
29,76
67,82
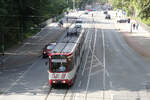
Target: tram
64,59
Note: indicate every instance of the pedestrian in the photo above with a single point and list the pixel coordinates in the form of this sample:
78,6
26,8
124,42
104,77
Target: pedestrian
134,26
67,18
61,23
137,26
128,20
67,12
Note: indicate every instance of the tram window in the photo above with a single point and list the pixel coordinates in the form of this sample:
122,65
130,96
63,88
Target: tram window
59,67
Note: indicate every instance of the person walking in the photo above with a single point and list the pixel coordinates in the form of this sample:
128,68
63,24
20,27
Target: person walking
137,26
60,23
133,26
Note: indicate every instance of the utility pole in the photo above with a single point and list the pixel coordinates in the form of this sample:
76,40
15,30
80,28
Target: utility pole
122,4
73,4
68,2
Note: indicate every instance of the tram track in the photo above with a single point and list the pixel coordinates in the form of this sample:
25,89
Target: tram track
54,91
46,98
65,94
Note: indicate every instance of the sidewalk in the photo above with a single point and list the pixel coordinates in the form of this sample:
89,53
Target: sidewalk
139,39
31,49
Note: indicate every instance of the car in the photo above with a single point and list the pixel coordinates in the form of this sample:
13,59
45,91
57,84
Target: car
107,16
47,48
89,10
122,20
86,12
105,12
93,9
78,23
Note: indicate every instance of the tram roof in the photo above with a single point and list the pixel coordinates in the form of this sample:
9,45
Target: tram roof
67,44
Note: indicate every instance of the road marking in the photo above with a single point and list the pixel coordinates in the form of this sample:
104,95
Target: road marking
110,82
79,85
107,73
112,96
86,59
17,81
94,73
91,64
98,60
103,64
76,96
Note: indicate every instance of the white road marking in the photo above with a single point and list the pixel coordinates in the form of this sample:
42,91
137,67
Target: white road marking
107,73
110,82
91,64
103,64
95,72
85,60
76,96
17,81
79,85
98,60
97,65
112,96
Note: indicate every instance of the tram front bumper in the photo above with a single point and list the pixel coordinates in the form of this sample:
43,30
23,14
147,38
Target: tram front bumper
68,82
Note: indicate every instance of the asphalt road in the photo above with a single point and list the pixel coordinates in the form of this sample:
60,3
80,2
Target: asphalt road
109,70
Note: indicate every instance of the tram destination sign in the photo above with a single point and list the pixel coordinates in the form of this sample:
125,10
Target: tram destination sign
59,60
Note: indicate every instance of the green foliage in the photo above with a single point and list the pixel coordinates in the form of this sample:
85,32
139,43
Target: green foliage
146,21
137,8
18,16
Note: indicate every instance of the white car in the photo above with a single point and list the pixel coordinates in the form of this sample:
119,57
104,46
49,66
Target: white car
86,12
78,23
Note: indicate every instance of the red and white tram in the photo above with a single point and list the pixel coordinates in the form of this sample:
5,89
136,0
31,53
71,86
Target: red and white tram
65,58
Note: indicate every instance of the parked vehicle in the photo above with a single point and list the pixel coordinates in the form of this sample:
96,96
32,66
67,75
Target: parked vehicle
78,23
105,12
107,16
122,20
86,12
47,48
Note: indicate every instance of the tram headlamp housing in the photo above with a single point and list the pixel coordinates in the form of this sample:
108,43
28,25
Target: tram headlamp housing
44,52
69,59
63,81
54,81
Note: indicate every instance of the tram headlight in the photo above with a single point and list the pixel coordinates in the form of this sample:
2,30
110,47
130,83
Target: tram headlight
63,81
44,52
54,81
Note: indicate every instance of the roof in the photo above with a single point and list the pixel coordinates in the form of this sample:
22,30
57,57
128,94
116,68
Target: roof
67,44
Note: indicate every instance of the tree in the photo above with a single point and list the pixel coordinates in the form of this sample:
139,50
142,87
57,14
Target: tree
17,16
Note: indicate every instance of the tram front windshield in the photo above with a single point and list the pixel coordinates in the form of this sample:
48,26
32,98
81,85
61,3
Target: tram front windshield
58,67
58,63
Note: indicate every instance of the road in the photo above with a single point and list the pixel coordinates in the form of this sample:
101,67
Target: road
110,70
